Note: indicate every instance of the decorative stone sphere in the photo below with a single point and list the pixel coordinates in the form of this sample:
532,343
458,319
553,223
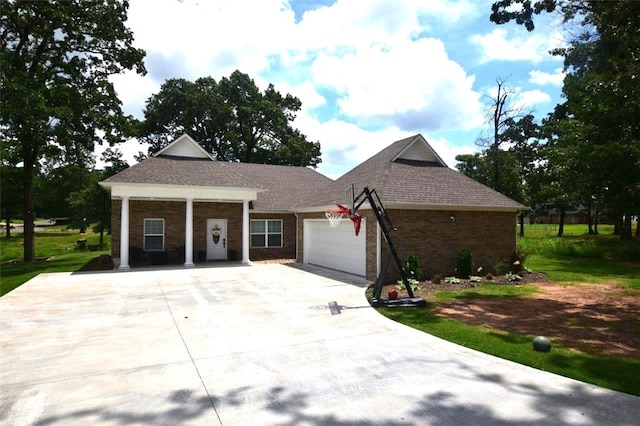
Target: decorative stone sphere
542,344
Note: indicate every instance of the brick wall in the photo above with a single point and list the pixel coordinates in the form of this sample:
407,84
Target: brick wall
230,211
173,212
288,249
436,239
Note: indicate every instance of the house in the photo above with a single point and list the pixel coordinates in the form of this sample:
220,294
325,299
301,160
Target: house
180,205
574,216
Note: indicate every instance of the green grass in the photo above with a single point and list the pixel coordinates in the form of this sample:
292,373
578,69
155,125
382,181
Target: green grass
618,373
487,291
56,251
597,271
580,257
572,259
578,244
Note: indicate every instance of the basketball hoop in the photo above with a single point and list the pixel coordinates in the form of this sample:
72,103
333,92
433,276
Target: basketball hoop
335,216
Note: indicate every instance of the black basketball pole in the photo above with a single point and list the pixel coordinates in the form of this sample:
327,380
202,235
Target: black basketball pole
385,226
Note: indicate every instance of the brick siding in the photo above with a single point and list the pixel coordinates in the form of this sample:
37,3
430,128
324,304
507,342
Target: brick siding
436,239
173,213
288,249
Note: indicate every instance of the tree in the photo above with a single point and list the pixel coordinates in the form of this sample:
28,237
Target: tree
52,187
602,62
479,166
92,203
502,116
509,154
231,118
523,136
56,59
10,185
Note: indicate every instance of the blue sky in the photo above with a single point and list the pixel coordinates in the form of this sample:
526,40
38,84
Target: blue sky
367,72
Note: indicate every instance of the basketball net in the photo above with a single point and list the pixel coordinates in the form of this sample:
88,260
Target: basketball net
335,217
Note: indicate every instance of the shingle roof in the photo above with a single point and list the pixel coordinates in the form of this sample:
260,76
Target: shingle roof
414,183
398,181
285,186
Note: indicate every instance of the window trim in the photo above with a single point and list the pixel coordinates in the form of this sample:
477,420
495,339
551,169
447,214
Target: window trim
266,233
145,235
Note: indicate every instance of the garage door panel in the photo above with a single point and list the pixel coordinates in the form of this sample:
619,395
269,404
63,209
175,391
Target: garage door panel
336,248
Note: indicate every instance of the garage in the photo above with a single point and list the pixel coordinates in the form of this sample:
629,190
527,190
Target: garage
336,248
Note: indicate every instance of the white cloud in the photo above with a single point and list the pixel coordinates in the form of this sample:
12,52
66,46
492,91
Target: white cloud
129,150
543,78
134,90
201,38
382,63
345,145
530,98
306,92
354,23
412,84
448,151
502,45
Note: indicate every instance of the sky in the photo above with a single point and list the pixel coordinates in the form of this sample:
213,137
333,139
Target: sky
368,73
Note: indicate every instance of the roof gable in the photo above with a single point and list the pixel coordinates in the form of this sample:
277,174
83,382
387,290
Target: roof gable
410,174
419,150
185,147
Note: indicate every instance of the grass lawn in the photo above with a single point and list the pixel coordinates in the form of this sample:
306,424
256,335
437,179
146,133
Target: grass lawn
56,250
608,371
573,259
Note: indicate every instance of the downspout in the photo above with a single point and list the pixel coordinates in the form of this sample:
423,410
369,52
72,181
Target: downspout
297,234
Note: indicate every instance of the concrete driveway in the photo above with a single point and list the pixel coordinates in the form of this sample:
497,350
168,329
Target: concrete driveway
256,345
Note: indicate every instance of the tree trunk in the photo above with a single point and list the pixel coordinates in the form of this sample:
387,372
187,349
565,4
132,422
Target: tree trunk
626,234
103,217
27,214
521,224
617,224
8,223
561,224
589,220
596,220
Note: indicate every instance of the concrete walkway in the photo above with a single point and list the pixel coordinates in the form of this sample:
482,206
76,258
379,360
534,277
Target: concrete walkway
256,345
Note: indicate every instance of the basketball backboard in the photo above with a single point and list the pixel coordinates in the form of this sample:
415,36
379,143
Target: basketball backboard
349,200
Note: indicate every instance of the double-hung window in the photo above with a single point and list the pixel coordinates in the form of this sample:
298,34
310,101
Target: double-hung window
266,233
154,234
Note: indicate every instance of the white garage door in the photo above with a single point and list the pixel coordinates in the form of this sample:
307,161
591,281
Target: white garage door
335,248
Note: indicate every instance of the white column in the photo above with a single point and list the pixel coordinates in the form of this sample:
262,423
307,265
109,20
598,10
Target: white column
188,234
124,234
245,233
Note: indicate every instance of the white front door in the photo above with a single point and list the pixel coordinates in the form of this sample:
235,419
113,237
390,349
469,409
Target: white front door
216,239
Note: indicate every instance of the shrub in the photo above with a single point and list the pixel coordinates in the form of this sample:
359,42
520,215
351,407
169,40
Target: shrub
413,283
465,263
437,278
412,267
513,277
497,266
517,262
452,280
